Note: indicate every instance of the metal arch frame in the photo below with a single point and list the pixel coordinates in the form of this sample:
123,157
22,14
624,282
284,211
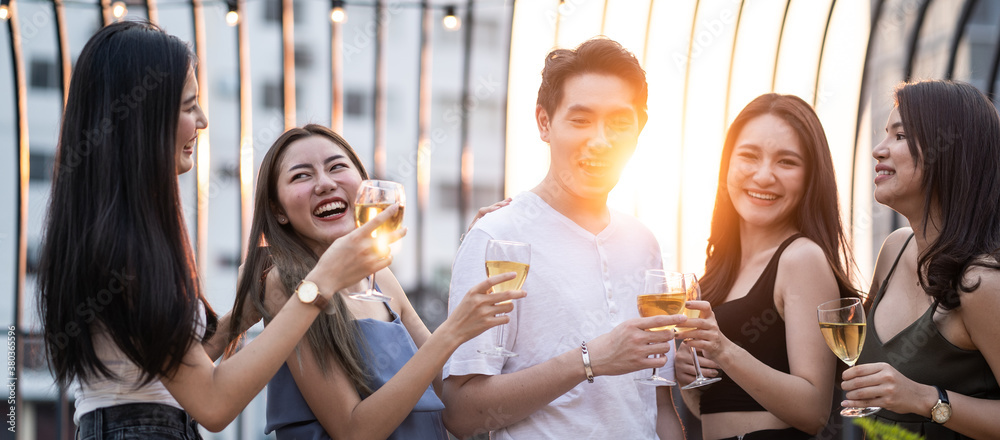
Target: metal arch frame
911,51
960,28
106,17
822,50
23,170
876,18
152,12
684,105
465,158
380,111
732,59
288,62
423,133
503,114
991,88
645,37
246,129
62,49
202,163
337,76
777,50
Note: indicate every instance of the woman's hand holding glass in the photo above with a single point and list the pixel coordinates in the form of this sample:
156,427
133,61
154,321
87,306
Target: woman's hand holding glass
685,370
373,197
504,257
842,322
355,256
480,309
703,335
879,385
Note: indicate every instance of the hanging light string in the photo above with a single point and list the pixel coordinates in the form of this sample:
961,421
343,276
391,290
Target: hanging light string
338,9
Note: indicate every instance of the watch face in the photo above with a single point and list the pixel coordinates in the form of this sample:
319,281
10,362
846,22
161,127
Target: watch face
941,412
307,292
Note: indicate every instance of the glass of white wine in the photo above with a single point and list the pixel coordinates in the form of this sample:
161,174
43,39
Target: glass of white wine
693,291
503,257
842,322
662,294
375,196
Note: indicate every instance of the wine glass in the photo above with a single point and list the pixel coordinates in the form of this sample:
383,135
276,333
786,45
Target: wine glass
504,257
375,196
693,292
842,322
662,294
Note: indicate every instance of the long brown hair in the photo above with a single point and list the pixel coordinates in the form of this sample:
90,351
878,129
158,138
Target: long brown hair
817,217
333,336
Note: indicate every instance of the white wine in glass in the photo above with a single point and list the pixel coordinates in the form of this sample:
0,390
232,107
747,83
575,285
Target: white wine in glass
693,291
842,322
503,257
375,196
662,294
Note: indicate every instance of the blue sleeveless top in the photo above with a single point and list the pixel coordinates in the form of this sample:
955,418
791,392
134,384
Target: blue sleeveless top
391,346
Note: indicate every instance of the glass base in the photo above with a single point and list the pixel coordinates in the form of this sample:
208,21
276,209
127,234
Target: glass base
370,295
859,412
700,382
497,351
656,381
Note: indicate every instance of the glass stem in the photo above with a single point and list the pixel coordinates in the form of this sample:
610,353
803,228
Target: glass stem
499,336
371,284
697,365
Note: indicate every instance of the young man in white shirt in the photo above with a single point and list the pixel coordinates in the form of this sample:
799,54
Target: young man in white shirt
587,267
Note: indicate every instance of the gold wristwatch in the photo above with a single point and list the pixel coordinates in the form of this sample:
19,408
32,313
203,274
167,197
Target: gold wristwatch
308,293
941,411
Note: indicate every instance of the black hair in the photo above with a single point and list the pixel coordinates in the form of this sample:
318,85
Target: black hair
115,256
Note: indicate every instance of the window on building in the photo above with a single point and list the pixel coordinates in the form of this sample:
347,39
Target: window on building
43,74
274,94
304,57
354,103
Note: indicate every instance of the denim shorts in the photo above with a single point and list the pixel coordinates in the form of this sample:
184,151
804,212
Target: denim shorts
137,421
773,434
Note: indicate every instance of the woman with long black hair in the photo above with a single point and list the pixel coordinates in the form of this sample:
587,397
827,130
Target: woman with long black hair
122,307
931,357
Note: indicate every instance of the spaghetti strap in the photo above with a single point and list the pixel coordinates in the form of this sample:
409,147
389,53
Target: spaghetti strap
885,282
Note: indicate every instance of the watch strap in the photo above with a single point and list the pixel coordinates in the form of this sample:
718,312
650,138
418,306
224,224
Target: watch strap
942,395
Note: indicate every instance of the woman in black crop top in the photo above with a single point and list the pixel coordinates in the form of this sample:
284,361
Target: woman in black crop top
776,251
932,339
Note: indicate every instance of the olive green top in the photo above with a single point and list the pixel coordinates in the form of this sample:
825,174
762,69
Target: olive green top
923,355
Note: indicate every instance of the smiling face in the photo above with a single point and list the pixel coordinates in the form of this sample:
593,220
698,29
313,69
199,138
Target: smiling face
592,134
767,173
898,177
316,186
189,121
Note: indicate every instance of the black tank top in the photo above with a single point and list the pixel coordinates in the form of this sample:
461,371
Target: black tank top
753,323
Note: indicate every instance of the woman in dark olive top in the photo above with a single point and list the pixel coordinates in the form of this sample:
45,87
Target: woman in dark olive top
931,358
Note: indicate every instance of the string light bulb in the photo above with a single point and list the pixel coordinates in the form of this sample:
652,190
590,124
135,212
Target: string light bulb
337,12
233,16
4,10
451,21
118,9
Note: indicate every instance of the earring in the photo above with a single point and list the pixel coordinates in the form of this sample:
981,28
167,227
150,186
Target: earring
282,219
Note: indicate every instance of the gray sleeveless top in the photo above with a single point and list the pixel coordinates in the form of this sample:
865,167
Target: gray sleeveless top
923,355
391,346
